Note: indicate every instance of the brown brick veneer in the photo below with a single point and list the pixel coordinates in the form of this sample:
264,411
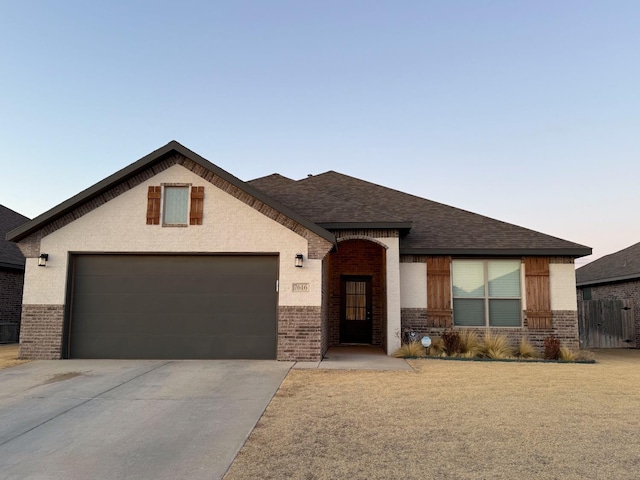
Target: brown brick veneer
41,332
300,333
358,257
565,328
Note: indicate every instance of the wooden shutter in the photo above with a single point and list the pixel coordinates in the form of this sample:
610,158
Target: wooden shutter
153,205
197,204
439,313
537,286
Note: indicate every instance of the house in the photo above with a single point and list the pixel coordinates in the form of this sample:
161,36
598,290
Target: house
11,277
173,257
614,277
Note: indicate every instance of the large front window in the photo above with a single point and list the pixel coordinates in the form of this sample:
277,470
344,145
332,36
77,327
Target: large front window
486,293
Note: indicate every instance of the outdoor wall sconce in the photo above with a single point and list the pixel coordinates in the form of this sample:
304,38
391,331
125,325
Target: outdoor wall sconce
42,259
299,260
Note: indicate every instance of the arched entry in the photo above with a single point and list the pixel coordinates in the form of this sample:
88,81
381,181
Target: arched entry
357,293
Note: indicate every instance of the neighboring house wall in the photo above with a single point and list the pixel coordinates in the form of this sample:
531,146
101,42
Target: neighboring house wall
11,283
229,226
562,296
629,290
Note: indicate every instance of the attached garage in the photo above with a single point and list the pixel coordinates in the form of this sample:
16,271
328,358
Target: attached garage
172,307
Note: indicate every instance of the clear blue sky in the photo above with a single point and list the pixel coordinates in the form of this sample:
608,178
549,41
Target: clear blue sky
525,111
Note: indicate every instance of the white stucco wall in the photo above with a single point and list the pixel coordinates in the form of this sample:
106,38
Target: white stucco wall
562,279
393,293
413,285
229,226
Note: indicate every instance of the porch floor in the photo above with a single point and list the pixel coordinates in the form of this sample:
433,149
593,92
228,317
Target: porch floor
356,357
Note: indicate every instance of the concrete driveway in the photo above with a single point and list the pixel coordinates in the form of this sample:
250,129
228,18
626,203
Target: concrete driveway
126,419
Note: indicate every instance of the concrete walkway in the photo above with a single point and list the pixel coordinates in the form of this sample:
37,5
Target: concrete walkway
356,358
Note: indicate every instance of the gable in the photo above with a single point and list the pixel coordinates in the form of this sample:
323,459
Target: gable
29,235
228,224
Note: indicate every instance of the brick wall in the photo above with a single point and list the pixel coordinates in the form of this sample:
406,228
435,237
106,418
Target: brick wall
11,283
357,257
565,328
619,291
41,332
299,333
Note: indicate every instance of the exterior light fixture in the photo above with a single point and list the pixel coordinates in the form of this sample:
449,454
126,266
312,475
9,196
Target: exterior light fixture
299,260
42,259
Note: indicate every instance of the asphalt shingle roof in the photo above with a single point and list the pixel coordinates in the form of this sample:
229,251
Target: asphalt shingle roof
10,255
332,197
621,265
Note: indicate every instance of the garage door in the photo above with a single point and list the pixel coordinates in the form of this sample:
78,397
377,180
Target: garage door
173,307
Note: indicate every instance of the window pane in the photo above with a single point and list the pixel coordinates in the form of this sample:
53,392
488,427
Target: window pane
504,278
176,205
504,313
468,312
468,278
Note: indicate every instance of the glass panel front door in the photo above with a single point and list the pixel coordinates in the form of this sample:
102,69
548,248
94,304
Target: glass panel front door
356,324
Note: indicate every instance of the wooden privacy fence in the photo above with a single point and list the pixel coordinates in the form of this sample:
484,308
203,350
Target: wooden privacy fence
606,323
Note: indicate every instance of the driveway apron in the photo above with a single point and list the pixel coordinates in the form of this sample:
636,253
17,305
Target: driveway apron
126,419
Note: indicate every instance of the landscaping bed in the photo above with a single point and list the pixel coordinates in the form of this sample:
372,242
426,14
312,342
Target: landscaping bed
466,345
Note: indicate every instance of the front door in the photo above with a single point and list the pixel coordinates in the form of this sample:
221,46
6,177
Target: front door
356,323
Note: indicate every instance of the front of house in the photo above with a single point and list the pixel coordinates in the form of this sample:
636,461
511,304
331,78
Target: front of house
172,257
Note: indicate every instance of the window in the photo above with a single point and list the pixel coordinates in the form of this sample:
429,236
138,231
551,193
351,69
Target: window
486,293
586,293
182,205
176,206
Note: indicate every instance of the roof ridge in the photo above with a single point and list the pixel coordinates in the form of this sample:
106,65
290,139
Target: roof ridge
271,175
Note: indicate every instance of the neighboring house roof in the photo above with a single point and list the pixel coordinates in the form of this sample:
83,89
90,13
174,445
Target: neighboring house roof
10,255
334,201
619,266
148,162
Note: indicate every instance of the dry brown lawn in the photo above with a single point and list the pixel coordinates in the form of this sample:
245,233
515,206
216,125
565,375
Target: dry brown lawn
452,419
9,356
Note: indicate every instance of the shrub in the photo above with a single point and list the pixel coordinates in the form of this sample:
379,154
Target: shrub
525,349
495,346
413,349
436,349
551,348
469,343
452,343
568,355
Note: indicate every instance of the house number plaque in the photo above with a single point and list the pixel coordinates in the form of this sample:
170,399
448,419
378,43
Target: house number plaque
300,287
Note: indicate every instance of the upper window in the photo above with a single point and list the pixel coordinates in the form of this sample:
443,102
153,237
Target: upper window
486,293
176,206
182,205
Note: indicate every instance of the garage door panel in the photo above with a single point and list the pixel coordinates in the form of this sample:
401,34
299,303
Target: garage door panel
198,284
186,347
173,307
180,305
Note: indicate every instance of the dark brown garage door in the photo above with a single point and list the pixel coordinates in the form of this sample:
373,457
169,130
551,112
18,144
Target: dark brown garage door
172,307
